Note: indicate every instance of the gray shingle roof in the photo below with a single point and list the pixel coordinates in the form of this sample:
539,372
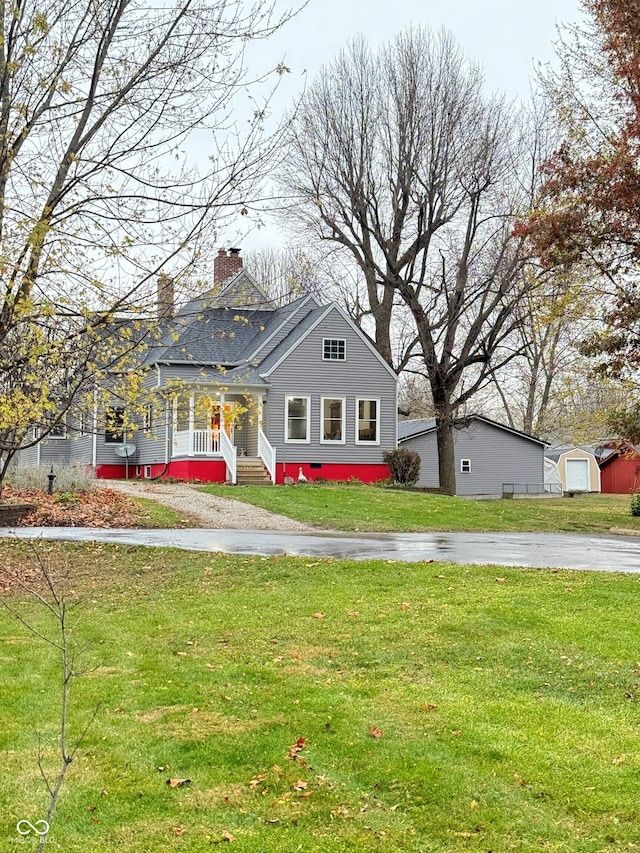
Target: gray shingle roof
409,429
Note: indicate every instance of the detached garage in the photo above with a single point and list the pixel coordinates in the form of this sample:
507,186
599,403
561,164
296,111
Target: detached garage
578,468
491,458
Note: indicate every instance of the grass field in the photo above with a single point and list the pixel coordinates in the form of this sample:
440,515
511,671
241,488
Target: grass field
443,708
371,508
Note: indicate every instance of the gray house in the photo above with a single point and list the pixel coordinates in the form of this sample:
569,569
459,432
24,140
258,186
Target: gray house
242,390
491,458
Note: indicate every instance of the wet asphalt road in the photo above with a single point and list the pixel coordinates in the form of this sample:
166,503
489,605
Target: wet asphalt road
601,553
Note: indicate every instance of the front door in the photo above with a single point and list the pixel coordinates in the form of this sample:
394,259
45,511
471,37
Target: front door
228,422
577,475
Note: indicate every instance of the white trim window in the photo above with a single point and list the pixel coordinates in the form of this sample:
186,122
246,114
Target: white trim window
334,349
58,430
297,411
367,421
332,421
465,466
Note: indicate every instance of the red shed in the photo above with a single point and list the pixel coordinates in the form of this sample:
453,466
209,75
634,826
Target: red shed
619,467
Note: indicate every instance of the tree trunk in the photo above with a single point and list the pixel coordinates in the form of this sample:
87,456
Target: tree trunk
444,435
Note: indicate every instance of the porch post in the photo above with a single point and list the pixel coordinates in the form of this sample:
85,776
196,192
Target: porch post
221,412
191,417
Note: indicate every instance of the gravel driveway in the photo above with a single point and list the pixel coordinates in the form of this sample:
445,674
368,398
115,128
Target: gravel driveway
209,511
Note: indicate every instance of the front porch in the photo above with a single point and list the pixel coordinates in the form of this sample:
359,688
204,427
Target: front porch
211,425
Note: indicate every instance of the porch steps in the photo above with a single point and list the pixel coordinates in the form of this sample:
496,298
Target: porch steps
251,472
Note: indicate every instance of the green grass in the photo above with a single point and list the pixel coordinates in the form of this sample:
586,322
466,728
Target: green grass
508,702
156,516
376,508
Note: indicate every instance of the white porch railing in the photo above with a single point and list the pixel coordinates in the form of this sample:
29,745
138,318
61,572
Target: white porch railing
267,453
229,453
202,442
206,441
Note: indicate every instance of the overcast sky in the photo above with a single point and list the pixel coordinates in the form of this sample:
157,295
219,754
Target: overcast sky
507,38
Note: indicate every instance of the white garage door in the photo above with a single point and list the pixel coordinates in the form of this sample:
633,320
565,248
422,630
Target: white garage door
577,475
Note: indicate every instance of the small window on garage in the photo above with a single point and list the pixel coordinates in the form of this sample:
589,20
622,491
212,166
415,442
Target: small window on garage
465,466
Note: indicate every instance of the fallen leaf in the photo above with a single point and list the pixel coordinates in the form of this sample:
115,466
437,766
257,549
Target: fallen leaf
226,836
473,804
619,760
428,706
500,580
352,613
178,783
179,830
300,785
295,749
405,605
373,730
457,732
318,615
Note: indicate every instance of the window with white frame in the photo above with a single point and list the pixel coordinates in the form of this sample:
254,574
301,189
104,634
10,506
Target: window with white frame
58,430
86,423
367,421
148,417
334,349
297,410
465,466
332,425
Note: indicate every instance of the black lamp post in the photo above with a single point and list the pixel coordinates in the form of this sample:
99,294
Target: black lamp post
51,477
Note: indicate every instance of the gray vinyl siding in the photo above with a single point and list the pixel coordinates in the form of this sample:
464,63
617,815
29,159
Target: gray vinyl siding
55,451
305,373
27,456
81,450
497,456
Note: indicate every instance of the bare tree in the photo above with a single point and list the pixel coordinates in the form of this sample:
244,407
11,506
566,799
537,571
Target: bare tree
284,272
552,319
119,151
400,159
48,592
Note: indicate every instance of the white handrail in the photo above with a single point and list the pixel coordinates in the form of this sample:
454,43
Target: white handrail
230,455
267,453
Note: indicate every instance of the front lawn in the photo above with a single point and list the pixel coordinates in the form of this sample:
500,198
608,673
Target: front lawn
329,706
377,508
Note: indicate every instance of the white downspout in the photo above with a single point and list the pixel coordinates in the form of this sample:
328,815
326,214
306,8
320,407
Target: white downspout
166,430
94,440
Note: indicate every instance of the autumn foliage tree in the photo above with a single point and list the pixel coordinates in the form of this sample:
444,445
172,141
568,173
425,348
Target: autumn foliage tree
588,213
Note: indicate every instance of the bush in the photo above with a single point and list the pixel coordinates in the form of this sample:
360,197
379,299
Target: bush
69,478
404,465
635,503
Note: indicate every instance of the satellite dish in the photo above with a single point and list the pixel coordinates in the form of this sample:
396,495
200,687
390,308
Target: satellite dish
125,450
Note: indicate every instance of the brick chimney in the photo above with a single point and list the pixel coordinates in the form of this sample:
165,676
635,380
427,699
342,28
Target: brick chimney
165,293
225,265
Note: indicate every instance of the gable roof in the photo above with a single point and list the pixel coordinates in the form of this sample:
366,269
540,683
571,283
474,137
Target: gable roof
414,428
556,452
304,329
610,450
